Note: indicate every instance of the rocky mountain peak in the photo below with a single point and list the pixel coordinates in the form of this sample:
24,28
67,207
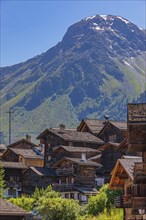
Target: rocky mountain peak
95,70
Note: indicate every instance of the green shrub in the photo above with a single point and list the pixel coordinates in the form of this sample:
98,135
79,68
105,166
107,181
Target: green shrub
97,204
58,208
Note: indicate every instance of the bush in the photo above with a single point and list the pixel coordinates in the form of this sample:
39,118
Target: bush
23,202
58,209
97,204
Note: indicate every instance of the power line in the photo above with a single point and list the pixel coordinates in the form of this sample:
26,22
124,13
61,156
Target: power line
10,113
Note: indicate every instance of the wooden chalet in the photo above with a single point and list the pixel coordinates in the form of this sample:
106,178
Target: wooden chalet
13,177
39,177
134,189
2,149
122,178
29,157
113,131
94,126
23,144
137,142
9,211
76,178
109,156
72,152
66,137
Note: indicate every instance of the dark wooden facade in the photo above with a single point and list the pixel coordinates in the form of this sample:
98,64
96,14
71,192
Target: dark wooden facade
39,177
75,176
113,132
137,142
135,189
72,152
65,137
13,178
137,127
109,157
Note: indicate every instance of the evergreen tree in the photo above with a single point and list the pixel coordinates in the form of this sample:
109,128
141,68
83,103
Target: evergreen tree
2,181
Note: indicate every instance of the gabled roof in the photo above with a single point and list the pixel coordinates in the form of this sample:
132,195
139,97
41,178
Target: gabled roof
71,135
107,145
123,166
75,149
2,147
79,162
13,165
123,145
94,125
86,191
95,157
121,125
9,209
21,141
26,153
43,171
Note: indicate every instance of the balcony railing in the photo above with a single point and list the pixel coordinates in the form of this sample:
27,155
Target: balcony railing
127,201
62,187
64,172
16,185
138,190
140,168
139,202
119,202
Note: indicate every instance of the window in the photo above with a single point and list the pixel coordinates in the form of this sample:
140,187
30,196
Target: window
49,158
11,178
12,192
112,138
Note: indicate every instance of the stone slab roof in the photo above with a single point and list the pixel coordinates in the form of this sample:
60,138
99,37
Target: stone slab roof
21,141
76,149
86,190
26,153
94,125
107,145
72,135
13,165
43,171
79,162
9,209
128,164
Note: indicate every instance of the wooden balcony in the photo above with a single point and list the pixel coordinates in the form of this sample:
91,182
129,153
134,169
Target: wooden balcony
16,185
139,203
138,190
62,187
140,172
119,202
127,201
65,172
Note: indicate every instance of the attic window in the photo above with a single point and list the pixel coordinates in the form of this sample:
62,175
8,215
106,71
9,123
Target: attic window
49,158
112,138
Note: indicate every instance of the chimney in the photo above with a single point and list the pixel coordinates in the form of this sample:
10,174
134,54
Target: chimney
106,119
61,128
83,158
28,138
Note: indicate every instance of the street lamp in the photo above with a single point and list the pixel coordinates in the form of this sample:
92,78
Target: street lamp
141,212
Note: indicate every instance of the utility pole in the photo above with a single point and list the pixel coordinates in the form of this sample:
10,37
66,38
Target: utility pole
10,113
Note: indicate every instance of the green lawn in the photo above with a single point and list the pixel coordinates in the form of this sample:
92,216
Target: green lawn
115,214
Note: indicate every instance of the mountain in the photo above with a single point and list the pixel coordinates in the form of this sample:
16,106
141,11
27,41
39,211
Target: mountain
95,70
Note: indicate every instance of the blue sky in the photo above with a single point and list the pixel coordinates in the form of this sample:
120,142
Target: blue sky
29,28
